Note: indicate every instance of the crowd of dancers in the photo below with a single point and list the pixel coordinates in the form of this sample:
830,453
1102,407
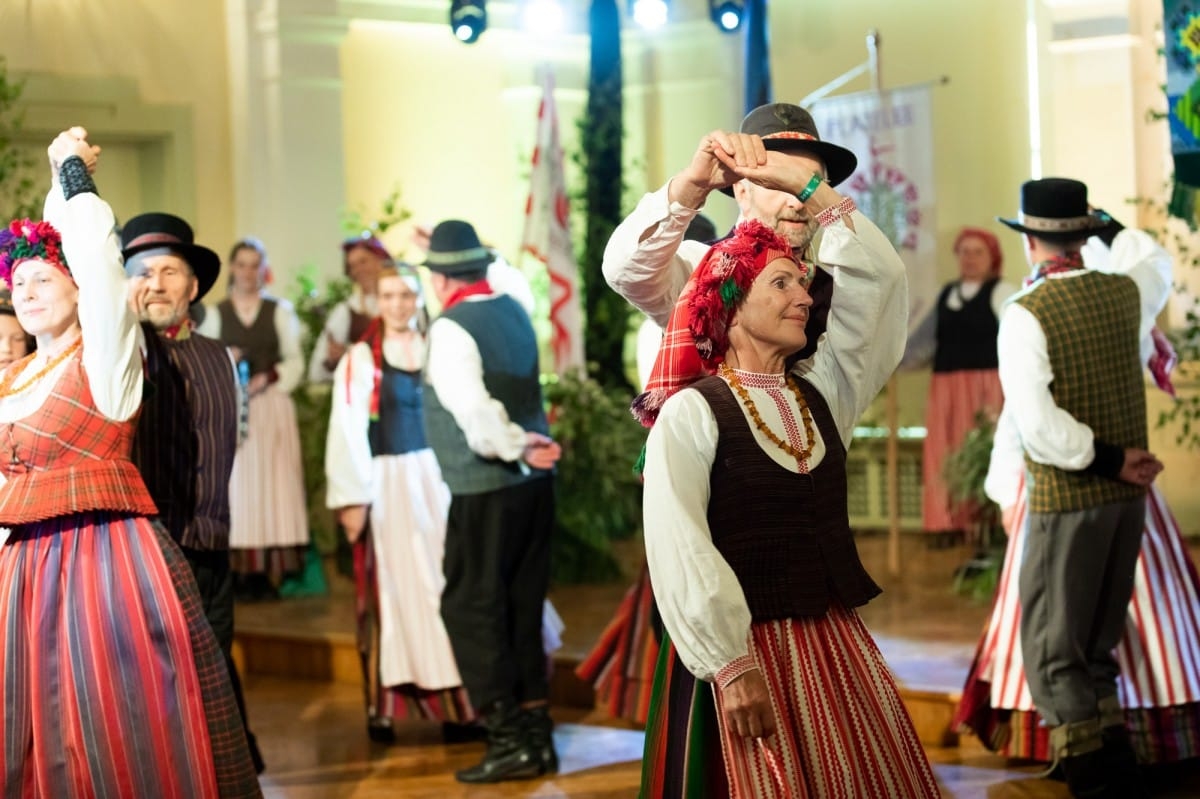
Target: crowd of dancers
153,470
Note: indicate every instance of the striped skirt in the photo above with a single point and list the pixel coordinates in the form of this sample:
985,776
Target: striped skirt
1159,654
954,400
843,732
113,682
621,664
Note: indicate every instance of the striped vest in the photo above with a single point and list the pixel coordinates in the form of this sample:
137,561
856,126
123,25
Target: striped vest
785,535
187,437
1091,323
67,458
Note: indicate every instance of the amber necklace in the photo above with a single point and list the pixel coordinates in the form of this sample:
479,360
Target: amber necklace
7,389
800,455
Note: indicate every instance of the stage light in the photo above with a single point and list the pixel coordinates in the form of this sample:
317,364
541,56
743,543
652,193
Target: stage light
650,14
542,17
468,19
727,14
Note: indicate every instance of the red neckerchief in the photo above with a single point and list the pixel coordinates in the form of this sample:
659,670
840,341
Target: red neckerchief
179,332
1070,262
478,287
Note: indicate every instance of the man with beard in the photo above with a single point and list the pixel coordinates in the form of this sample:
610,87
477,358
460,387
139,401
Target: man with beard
647,261
188,429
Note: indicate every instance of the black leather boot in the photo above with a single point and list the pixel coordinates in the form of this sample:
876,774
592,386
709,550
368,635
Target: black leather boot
380,730
509,756
1127,774
539,732
1078,749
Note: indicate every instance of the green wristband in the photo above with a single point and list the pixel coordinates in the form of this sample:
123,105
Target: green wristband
809,189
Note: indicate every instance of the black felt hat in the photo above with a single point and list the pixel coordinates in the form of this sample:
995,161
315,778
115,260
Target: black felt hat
787,127
1056,209
455,249
151,231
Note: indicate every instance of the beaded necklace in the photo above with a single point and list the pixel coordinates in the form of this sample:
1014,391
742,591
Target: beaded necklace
800,455
7,389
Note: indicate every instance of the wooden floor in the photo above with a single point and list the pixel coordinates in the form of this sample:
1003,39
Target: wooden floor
313,735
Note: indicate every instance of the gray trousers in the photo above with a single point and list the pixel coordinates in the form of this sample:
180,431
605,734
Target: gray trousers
1075,585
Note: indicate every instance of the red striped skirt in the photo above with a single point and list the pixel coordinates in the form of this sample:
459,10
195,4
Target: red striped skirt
621,664
843,732
954,400
1159,653
113,681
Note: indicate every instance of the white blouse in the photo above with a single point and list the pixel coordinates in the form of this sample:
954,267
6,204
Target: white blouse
348,472
337,327
702,604
112,337
290,368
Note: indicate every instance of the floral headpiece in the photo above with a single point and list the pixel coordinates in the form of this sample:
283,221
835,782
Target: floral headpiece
24,240
697,334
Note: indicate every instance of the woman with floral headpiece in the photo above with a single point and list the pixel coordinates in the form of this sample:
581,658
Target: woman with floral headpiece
386,487
363,259
113,681
748,540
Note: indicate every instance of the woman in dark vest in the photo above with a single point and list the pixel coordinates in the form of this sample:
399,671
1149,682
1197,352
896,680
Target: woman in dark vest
385,484
958,337
362,259
747,534
268,515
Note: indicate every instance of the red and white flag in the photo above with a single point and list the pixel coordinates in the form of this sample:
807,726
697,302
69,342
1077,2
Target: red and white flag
548,236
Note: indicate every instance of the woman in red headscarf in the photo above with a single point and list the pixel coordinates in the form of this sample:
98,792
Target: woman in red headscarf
958,337
768,683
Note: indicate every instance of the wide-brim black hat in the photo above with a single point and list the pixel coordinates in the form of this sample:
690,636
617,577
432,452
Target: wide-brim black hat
455,249
151,231
786,127
1057,210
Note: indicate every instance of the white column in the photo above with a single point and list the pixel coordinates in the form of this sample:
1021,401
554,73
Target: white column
286,120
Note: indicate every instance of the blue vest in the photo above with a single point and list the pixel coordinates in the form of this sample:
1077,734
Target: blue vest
400,427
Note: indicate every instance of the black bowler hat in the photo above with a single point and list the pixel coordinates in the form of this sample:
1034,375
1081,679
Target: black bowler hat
151,231
455,249
783,126
1056,209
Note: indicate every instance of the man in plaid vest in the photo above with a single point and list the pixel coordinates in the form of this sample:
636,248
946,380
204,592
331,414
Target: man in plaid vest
1072,375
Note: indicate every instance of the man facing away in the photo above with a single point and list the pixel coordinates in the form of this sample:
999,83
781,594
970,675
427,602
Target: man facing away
188,428
1071,371
485,421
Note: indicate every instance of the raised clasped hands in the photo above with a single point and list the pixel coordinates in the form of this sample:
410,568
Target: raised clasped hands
746,704
718,157
1140,467
541,452
72,141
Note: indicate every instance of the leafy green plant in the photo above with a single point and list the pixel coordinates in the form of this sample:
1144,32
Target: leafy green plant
964,472
598,495
355,221
17,168
313,402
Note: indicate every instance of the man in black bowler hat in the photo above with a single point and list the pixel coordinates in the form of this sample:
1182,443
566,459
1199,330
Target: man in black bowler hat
187,430
1071,371
648,261
485,421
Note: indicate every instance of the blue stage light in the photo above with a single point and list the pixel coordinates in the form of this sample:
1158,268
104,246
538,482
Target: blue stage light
727,14
468,19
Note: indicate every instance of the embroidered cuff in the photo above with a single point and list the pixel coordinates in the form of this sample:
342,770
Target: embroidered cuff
734,669
74,177
835,212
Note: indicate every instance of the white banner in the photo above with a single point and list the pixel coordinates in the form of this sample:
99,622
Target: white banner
891,132
548,236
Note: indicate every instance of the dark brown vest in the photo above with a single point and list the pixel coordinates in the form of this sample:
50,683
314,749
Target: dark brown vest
785,535
259,342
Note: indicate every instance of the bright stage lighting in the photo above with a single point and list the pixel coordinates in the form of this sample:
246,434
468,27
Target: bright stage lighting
650,14
542,17
468,19
727,14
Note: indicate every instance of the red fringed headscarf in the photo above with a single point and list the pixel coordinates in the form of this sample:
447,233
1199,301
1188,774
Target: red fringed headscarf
989,240
697,335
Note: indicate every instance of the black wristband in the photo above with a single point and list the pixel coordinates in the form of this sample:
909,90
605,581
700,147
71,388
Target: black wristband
74,177
1108,461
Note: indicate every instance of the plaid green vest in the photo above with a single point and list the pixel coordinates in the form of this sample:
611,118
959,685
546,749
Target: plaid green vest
1091,324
